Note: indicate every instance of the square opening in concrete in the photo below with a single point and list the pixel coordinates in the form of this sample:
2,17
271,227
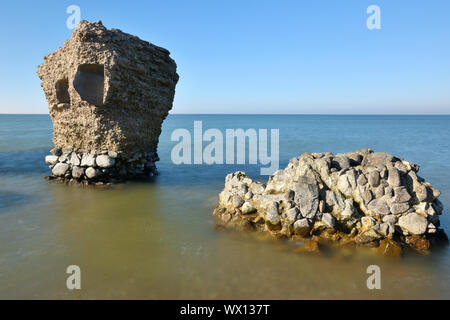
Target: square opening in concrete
89,83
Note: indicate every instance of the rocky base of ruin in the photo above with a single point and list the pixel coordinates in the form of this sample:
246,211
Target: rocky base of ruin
361,198
99,167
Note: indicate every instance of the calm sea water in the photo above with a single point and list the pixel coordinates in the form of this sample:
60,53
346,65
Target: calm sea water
156,240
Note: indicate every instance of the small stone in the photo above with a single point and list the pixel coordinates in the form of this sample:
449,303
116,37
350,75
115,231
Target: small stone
51,160
379,206
421,191
367,223
401,167
355,158
331,199
66,151
272,215
74,160
394,177
91,173
438,206
104,161
413,223
290,204
289,195
322,206
352,177
377,159
226,217
88,160
237,201
362,180
436,193
374,178
329,220
56,151
112,154
368,238
257,188
63,158
60,169
388,191
366,196
340,162
397,208
390,218
301,227
242,189
383,173
310,246
401,194
431,228
390,248
248,208
77,172
248,195
418,243
349,210
386,229
378,191
430,211
307,198
291,215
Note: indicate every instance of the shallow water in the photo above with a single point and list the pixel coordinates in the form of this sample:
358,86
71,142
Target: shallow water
156,240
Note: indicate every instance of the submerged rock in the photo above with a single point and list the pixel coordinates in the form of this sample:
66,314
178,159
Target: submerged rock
367,198
60,169
390,248
108,93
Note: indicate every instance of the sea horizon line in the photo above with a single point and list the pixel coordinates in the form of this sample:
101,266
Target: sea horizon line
281,114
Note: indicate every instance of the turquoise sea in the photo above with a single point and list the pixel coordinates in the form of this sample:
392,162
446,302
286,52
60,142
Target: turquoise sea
156,240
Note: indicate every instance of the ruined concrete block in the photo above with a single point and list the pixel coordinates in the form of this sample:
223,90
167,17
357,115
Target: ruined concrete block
108,91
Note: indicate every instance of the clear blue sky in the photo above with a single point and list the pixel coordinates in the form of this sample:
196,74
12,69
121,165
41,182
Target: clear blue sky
256,56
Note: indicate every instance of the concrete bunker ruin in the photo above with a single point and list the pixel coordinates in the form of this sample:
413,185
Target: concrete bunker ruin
108,93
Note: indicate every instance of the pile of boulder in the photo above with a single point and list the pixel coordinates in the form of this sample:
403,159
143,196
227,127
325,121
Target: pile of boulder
361,198
98,167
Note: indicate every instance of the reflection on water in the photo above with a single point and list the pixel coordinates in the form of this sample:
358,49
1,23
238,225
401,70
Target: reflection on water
157,240
11,199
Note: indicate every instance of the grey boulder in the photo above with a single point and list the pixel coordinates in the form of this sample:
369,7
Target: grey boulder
51,160
105,161
60,169
414,223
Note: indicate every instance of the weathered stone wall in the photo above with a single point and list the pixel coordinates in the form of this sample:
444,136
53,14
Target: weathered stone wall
108,91
361,198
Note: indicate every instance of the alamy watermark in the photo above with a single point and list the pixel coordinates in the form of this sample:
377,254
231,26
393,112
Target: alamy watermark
75,16
374,20
74,280
222,151
374,281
